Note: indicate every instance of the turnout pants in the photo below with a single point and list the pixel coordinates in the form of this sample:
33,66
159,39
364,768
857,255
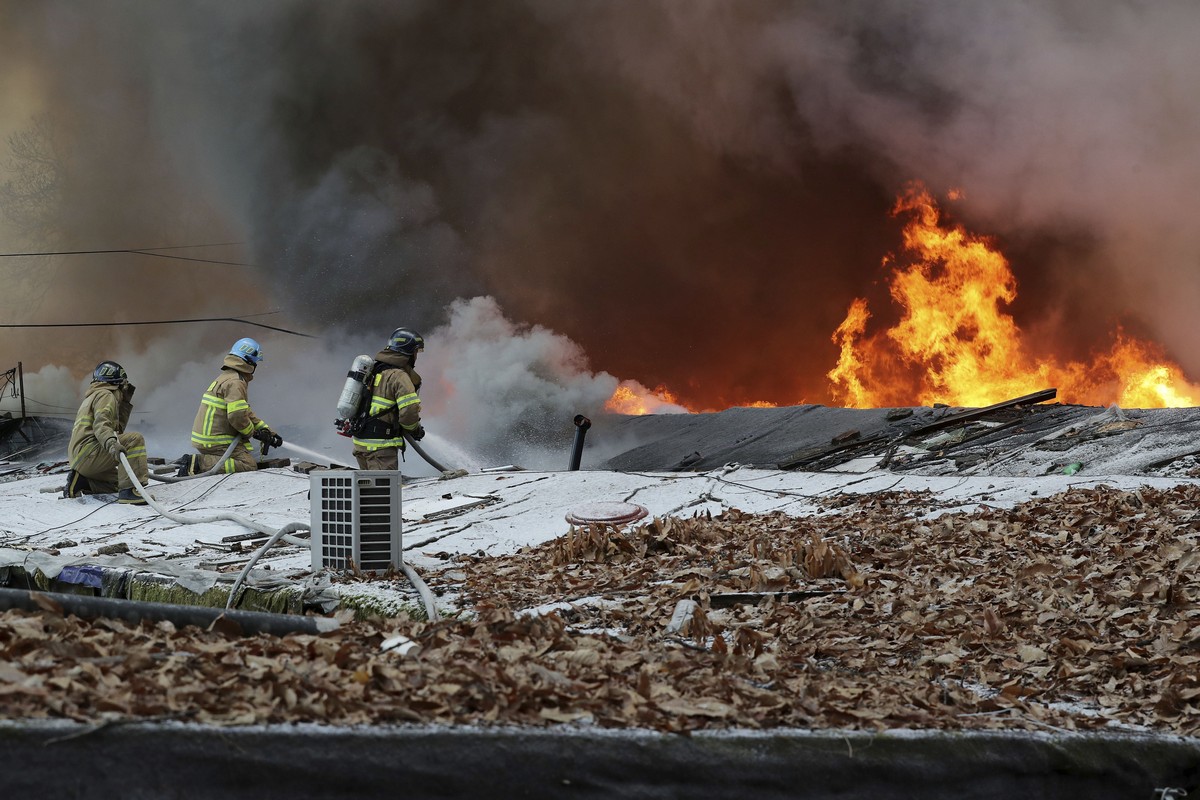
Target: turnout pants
105,474
241,460
383,458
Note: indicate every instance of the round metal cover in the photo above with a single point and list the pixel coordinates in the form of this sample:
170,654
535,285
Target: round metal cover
606,512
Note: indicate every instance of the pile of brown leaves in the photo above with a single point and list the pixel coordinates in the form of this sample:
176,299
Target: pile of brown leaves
1070,612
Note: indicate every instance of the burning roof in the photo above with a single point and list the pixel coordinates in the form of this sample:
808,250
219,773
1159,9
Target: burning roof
956,341
1022,436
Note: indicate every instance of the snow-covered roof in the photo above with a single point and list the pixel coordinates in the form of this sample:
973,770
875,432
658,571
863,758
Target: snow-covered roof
492,513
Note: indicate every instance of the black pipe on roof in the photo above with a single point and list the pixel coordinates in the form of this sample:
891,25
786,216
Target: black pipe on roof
84,607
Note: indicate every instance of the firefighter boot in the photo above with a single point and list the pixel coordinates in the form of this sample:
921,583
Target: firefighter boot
130,497
77,485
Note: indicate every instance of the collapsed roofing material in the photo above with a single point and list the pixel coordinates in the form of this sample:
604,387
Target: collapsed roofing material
1021,436
23,436
31,438
1012,438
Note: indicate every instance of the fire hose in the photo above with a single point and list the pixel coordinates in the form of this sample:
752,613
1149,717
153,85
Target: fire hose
421,452
210,471
275,535
192,519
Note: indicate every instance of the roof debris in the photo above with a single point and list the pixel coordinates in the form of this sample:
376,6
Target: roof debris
1021,436
1076,611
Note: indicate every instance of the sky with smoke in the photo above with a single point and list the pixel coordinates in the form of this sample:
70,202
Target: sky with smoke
678,192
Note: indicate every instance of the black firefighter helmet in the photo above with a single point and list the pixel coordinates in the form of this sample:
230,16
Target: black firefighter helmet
406,341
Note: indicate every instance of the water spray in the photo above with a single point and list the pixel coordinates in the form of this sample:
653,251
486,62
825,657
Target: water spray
313,454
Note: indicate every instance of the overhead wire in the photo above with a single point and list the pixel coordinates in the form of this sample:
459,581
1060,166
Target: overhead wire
240,320
154,253
138,251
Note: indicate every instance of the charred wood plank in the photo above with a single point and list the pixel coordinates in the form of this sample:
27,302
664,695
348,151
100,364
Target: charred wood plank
812,454
244,537
844,438
978,413
1165,461
982,434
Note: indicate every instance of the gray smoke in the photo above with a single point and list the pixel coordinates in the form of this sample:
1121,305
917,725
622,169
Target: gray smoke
494,392
690,190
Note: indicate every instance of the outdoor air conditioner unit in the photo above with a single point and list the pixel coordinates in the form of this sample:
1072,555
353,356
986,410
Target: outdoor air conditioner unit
356,519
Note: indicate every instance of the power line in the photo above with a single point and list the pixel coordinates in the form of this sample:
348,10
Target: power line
65,411
190,246
139,251
185,258
48,405
155,322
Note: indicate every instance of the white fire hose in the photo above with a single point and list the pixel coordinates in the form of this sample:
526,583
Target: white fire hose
177,478
192,519
275,536
210,471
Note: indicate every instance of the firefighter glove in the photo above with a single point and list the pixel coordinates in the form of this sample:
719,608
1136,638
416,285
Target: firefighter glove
417,433
268,437
115,448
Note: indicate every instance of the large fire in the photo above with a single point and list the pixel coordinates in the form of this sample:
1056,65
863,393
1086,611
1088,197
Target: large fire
956,344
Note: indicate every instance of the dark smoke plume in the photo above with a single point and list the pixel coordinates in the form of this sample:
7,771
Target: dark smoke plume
692,190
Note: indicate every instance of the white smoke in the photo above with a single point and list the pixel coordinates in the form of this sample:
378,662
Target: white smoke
511,391
494,391
50,391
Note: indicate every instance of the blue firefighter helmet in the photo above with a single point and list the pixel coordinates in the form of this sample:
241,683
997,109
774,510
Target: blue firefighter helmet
247,350
406,341
109,372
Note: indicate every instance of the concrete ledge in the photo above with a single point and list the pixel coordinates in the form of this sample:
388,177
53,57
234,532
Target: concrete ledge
162,760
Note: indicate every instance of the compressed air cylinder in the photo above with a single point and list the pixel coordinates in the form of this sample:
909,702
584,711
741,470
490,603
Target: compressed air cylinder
352,391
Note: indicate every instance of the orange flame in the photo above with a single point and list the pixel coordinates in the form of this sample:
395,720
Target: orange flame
955,344
631,397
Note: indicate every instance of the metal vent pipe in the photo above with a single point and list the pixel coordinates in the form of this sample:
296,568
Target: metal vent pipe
582,423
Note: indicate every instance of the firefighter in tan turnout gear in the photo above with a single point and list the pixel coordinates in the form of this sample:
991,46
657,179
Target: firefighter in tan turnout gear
395,408
99,437
225,415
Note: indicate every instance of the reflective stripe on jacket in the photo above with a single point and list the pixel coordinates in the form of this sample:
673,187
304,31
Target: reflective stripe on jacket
394,402
224,412
98,420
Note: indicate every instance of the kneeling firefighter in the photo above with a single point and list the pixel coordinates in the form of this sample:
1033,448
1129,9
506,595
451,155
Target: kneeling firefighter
225,414
394,408
99,437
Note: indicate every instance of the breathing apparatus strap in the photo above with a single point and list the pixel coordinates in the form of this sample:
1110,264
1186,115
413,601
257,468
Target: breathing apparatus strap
368,426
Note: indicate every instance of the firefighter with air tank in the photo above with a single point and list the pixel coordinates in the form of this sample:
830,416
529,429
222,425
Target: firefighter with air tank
379,405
